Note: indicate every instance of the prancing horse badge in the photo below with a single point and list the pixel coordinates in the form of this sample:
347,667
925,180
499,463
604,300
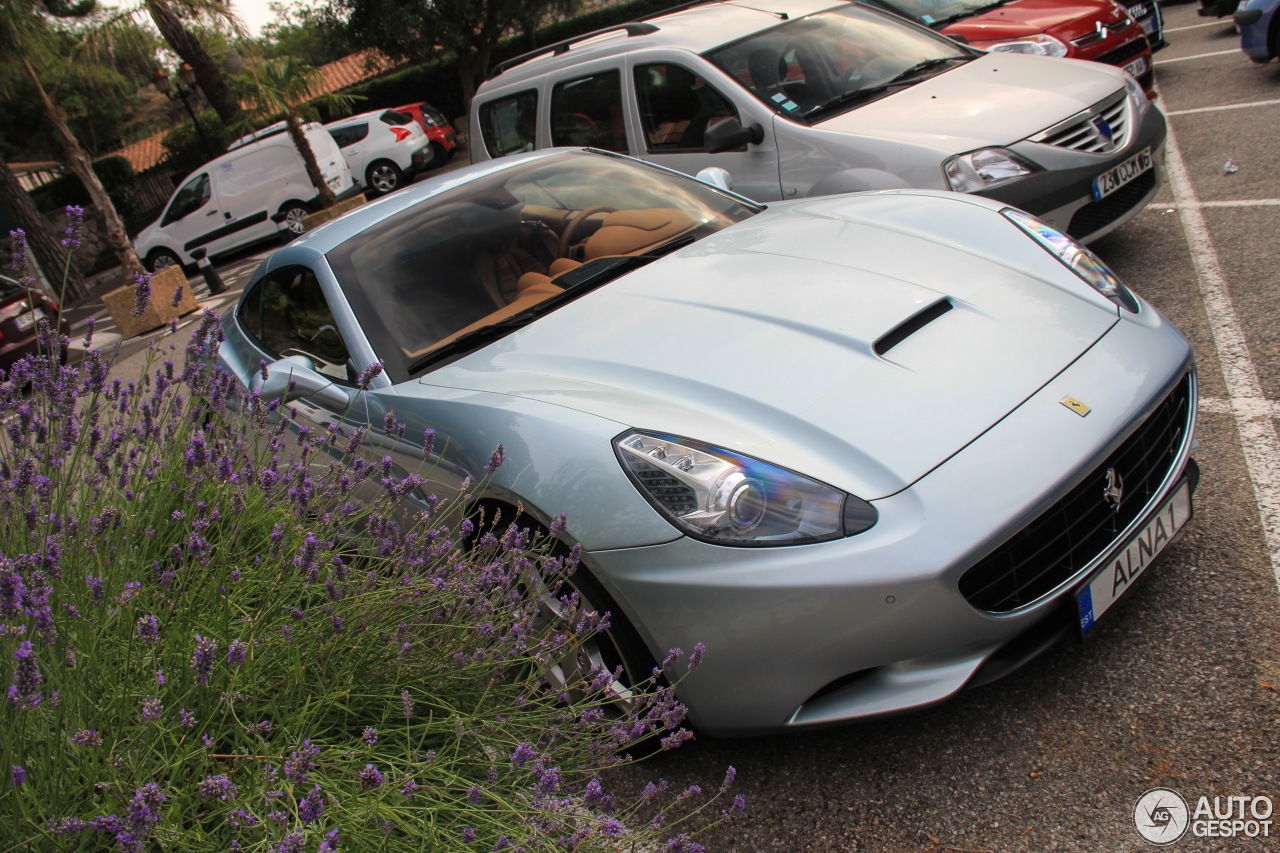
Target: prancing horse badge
1076,406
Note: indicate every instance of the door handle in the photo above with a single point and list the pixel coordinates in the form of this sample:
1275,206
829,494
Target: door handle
211,213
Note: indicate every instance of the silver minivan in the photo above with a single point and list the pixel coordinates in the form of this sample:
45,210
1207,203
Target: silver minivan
801,98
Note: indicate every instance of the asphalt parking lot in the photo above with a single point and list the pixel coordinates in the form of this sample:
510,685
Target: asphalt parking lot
1179,688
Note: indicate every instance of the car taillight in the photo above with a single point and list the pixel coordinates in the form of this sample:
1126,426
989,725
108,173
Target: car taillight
401,133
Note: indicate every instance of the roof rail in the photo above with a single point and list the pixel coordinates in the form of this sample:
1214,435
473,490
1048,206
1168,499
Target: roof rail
631,28
677,8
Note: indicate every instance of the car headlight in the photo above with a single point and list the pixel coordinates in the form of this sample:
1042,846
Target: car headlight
724,497
1076,257
1136,93
982,170
1040,44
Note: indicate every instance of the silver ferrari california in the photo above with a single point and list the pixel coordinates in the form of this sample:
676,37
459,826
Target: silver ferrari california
869,449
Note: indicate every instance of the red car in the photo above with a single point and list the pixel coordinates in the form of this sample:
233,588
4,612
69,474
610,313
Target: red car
1100,30
444,139
20,309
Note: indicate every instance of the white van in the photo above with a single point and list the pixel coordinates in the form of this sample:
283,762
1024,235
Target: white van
254,192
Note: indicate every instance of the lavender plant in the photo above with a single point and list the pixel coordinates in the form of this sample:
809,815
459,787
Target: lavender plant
209,643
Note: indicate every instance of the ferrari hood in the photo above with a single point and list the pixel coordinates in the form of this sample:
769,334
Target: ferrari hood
849,338
997,99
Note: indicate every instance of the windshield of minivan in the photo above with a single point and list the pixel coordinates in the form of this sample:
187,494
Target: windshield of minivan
504,248
814,67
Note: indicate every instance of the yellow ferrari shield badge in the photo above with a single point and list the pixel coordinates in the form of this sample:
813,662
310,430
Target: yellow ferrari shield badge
1076,406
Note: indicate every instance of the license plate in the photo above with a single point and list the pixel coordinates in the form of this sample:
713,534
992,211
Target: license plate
27,319
1114,579
1148,27
1139,66
1113,179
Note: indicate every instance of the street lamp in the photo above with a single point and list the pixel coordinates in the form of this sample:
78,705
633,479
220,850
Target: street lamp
185,75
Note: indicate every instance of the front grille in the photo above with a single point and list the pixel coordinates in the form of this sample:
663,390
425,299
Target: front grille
1124,53
1082,525
1096,215
1106,31
1088,131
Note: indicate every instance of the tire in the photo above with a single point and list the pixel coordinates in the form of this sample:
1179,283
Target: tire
161,259
293,213
383,177
438,156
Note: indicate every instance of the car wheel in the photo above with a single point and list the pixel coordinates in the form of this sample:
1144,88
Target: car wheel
293,213
161,259
438,156
383,176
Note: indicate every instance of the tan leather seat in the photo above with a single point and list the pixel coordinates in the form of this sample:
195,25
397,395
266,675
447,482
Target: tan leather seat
629,232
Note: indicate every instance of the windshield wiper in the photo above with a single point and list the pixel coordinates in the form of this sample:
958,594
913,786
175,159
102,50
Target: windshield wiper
575,284
927,65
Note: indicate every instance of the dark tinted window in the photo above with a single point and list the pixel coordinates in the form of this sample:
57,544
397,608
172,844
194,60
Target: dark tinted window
588,112
193,196
677,107
508,125
349,135
395,118
287,314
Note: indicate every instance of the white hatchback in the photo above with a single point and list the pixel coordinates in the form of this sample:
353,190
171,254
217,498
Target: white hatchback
383,148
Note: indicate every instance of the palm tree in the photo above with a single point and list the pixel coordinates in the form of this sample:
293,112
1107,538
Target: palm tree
281,87
26,42
50,255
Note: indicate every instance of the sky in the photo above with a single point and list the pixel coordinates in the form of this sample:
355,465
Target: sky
254,13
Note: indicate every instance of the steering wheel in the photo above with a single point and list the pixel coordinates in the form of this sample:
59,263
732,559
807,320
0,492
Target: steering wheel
575,222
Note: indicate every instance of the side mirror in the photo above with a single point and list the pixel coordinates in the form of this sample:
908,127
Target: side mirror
716,177
295,376
730,134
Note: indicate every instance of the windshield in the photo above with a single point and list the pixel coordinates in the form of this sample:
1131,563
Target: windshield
937,11
502,245
813,67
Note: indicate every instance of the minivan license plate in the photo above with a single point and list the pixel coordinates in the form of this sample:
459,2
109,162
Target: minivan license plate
1113,179
1118,574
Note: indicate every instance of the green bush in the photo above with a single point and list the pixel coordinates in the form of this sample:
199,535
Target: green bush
224,631
117,179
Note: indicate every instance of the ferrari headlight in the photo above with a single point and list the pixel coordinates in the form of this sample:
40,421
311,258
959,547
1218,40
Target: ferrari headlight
1040,44
982,170
1080,260
730,499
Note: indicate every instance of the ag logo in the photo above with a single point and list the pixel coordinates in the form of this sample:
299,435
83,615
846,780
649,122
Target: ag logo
1161,816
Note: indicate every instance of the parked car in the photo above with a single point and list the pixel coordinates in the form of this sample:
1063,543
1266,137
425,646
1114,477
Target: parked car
1259,29
1099,30
1149,15
819,97
384,148
868,448
444,139
257,191
21,309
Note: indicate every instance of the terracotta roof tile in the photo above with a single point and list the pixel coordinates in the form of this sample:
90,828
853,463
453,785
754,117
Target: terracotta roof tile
348,71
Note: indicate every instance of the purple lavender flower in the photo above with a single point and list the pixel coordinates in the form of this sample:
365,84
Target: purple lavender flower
141,292
330,843
370,778
87,737
696,658
237,652
729,775
143,813
406,704
370,736
409,788
177,297
286,631
24,692
522,755
301,762
187,718
468,835
475,795
216,788
368,374
496,459
202,658
294,842
17,776
89,323
312,806
149,629
151,708
75,226
159,678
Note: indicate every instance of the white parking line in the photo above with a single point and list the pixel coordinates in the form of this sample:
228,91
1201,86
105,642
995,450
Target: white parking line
1257,429
1216,23
1243,202
1198,56
1245,106
1255,408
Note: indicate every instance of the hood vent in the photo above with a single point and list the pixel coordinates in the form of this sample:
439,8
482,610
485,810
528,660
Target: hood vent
911,325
